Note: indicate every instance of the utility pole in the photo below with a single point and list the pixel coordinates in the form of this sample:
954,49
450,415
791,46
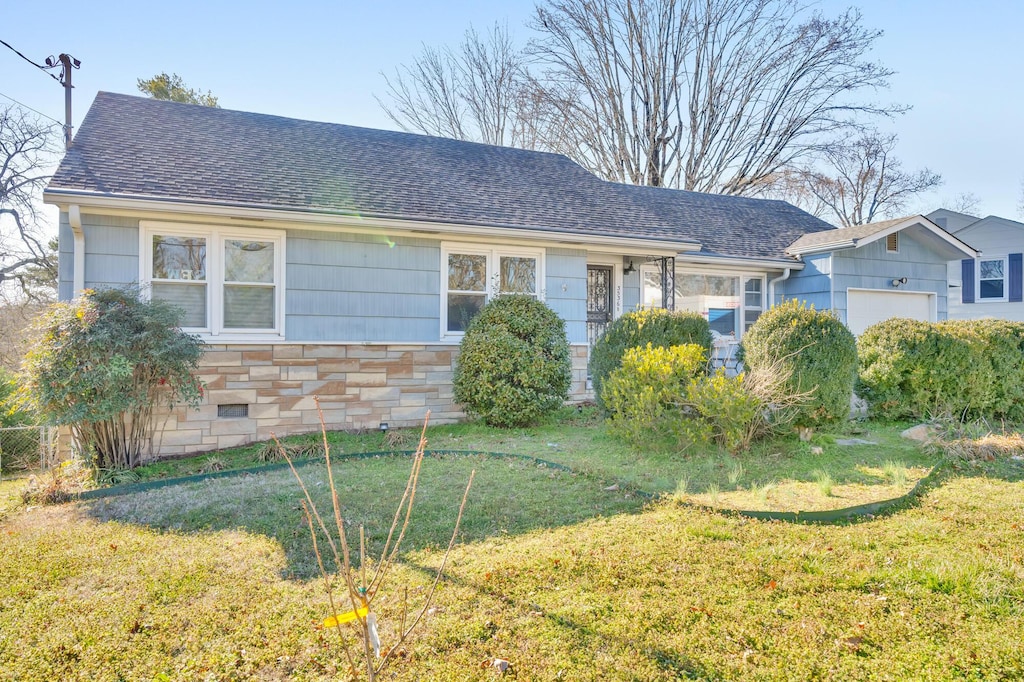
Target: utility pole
67,62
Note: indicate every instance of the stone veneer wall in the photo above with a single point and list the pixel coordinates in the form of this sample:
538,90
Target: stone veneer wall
359,385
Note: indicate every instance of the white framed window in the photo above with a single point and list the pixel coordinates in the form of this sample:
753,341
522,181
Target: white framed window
753,300
229,282
992,279
472,274
731,302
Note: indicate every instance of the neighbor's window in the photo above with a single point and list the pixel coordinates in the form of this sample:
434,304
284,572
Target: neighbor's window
226,282
992,279
475,275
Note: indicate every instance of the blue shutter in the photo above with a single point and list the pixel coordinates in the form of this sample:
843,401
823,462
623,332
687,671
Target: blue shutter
967,280
1016,278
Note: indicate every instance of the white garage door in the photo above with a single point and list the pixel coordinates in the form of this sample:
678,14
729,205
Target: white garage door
866,307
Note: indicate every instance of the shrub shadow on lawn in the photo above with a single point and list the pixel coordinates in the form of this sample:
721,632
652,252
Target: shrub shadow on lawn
509,497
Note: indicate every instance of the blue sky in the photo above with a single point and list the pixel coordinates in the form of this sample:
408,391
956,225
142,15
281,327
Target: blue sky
959,65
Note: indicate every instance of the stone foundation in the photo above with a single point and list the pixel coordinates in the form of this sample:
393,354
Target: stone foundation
359,386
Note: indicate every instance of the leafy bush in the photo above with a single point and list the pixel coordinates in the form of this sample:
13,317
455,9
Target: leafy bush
661,393
12,412
729,414
969,368
514,365
103,363
815,350
643,395
1005,350
658,327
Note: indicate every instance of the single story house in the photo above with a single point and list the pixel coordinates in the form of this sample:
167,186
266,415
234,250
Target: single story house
344,262
989,285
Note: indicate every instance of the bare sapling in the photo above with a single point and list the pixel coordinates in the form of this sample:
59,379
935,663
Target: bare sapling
350,594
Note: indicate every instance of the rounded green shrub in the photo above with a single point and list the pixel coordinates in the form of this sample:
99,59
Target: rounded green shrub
963,368
1005,352
514,363
655,326
814,350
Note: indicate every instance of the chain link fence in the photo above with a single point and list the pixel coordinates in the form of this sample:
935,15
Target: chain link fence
25,448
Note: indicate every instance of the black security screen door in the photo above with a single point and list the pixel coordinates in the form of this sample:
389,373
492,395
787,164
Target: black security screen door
599,300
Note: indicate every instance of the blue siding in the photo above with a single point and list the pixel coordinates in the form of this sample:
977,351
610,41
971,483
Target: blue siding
813,284
872,267
350,287
565,290
344,287
112,253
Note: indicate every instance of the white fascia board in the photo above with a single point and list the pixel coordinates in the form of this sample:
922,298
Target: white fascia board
264,216
928,226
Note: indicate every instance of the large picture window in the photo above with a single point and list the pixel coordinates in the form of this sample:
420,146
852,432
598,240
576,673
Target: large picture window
473,275
227,282
730,302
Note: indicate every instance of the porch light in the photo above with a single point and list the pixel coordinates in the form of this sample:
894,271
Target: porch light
629,269
899,282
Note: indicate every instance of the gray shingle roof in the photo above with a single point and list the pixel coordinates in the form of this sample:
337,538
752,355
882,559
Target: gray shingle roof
138,147
843,235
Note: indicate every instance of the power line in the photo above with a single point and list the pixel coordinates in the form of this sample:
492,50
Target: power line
38,66
31,109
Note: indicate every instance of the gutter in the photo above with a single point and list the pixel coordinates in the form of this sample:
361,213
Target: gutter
771,285
75,221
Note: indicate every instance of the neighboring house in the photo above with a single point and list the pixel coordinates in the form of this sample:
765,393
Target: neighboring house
990,284
870,273
323,259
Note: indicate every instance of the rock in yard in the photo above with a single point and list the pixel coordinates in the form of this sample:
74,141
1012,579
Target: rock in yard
817,450
854,441
922,433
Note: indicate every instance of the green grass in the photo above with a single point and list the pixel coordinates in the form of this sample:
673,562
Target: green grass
578,439
557,575
563,574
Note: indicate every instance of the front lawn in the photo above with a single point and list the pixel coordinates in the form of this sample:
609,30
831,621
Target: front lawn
784,474
566,575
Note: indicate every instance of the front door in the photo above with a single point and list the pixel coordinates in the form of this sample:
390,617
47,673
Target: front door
599,300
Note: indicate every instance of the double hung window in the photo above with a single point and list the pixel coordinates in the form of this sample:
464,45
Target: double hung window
992,279
227,282
472,275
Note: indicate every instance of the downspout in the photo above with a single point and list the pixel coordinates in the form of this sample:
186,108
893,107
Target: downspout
75,221
771,285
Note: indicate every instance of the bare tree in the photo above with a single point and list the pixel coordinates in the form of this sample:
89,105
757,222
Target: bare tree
708,95
863,182
967,203
27,151
1020,202
469,93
